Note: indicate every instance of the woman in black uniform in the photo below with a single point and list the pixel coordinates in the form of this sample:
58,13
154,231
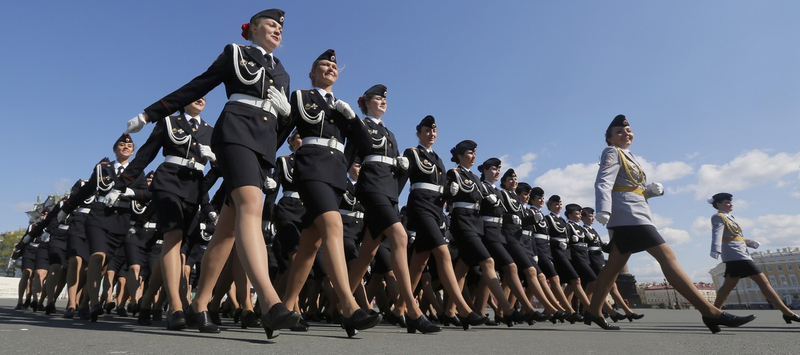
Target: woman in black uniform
250,129
425,217
562,254
320,176
57,256
77,251
377,189
136,246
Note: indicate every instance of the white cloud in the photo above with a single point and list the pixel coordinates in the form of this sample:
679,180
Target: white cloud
675,236
574,183
661,221
701,226
665,171
748,170
773,231
524,168
63,185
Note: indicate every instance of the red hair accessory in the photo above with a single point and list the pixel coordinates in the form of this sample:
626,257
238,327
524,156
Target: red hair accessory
246,31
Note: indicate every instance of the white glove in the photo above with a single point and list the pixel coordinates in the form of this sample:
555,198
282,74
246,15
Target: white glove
602,217
752,243
45,237
136,124
270,184
212,215
715,255
132,231
267,227
112,197
26,239
401,162
62,216
574,238
453,188
128,192
492,198
562,245
536,258
516,219
279,101
538,217
655,189
205,151
448,236
344,109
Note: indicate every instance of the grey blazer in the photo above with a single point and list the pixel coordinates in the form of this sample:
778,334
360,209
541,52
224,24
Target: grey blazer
733,247
620,189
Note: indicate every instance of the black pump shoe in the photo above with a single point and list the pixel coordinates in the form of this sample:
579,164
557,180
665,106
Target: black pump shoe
204,324
176,321
472,319
360,320
515,317
634,316
278,317
726,319
301,326
95,311
249,319
50,308
69,313
110,307
556,317
575,317
144,317
214,316
789,319
84,313
122,312
393,319
447,320
422,324
588,319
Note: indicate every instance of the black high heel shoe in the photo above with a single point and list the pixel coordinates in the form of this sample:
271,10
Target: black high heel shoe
471,319
110,307
50,308
203,322
69,313
789,319
176,320
122,312
515,317
301,326
616,317
726,319
633,316
423,324
249,319
84,313
18,307
536,316
360,320
454,320
278,317
34,304
237,315
158,314
575,317
556,317
393,319
94,312
214,317
144,317
588,319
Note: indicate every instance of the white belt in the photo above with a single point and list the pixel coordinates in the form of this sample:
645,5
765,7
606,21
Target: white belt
150,225
379,159
354,214
191,164
528,233
204,247
427,186
467,205
291,194
325,142
559,239
541,236
63,226
497,220
118,204
596,248
263,104
160,241
84,210
582,245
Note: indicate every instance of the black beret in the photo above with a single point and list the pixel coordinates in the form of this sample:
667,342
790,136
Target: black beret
428,121
124,138
537,191
509,173
329,54
275,14
489,163
571,208
554,199
462,147
618,121
722,196
377,89
523,187
587,210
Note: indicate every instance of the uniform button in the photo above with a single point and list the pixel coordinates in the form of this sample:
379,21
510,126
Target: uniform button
194,143
331,152
271,81
331,121
265,118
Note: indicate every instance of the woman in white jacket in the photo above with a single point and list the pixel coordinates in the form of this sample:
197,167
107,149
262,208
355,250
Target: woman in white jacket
728,241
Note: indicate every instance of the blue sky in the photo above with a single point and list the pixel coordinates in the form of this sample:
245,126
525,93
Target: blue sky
710,88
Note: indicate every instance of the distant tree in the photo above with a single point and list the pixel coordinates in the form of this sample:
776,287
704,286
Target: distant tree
7,243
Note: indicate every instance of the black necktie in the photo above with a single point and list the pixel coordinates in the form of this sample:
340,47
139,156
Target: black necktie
193,123
270,62
120,169
329,99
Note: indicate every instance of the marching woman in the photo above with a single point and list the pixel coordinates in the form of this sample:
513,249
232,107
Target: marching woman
136,245
77,251
425,217
492,210
621,193
377,189
463,192
178,187
514,218
728,241
324,123
249,130
560,249
57,256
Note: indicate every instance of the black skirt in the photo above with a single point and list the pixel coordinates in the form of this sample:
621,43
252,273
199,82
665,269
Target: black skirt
380,213
741,268
634,239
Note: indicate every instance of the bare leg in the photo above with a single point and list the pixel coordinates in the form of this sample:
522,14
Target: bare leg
678,278
171,267
769,293
725,290
93,276
215,257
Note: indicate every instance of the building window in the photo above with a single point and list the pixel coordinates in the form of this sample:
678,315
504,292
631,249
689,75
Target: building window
793,280
769,267
789,267
780,267
783,281
772,280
